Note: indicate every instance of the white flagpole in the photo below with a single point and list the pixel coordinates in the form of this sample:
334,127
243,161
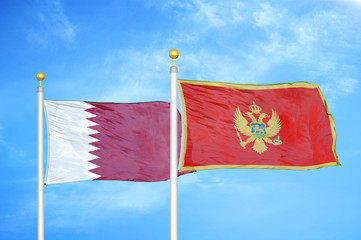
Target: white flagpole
173,148
40,76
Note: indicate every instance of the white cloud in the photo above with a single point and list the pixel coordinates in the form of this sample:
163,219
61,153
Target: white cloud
88,203
135,76
268,16
338,87
213,14
348,85
283,37
209,66
304,34
305,41
352,2
311,42
52,24
218,15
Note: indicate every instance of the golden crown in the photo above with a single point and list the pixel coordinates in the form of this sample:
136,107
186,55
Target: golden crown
255,108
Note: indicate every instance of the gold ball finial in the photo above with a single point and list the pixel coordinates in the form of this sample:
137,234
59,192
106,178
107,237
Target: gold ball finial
173,54
40,76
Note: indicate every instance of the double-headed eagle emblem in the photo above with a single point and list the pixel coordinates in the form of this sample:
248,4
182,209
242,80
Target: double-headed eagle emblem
257,131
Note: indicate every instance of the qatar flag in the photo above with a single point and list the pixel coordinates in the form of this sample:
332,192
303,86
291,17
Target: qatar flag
108,141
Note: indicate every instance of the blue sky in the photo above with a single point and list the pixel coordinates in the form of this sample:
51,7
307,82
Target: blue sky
117,51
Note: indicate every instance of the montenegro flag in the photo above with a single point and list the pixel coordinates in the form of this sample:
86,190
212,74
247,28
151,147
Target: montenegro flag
282,126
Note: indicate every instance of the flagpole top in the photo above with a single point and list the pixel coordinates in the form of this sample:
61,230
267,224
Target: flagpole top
173,54
40,76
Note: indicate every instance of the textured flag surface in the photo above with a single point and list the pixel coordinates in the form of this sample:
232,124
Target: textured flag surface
108,141
282,126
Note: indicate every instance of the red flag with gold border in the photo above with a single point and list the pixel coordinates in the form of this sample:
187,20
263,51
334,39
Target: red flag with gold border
281,126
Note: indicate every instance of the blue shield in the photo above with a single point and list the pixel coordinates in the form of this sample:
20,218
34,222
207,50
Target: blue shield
258,130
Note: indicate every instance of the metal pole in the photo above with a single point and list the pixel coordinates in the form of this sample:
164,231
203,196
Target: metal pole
40,90
173,148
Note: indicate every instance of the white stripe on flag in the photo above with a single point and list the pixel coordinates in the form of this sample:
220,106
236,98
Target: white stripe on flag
69,142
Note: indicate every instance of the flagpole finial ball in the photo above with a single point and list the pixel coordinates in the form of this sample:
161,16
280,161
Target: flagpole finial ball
173,54
40,76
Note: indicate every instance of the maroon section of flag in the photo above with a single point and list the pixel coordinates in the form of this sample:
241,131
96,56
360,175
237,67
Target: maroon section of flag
134,141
